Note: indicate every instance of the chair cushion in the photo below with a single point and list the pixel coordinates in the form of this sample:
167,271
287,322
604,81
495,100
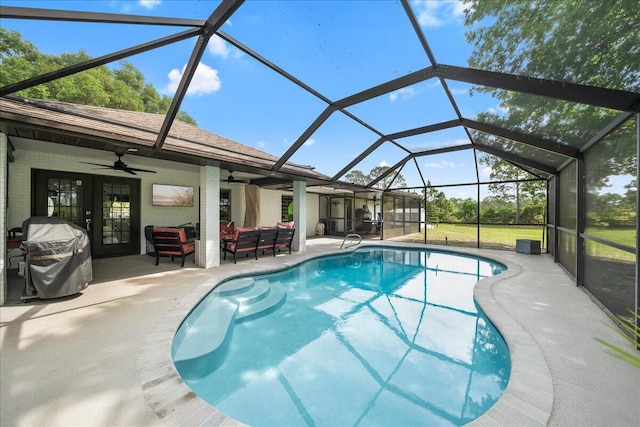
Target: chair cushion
232,245
183,237
187,248
227,229
232,248
240,229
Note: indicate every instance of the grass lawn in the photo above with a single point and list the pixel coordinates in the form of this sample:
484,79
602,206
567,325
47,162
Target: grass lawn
624,236
491,236
504,237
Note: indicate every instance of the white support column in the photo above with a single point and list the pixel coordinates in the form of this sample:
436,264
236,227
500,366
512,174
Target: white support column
3,217
300,215
209,245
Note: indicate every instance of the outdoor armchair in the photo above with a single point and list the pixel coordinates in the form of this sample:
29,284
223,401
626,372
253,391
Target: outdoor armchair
268,238
171,242
284,239
245,240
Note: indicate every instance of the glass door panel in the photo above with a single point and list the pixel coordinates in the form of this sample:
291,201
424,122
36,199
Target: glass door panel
65,199
107,207
117,213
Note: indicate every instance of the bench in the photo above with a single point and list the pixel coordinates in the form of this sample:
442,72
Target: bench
284,239
171,242
245,240
268,238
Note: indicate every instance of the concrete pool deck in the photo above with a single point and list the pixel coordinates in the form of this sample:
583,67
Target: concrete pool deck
102,358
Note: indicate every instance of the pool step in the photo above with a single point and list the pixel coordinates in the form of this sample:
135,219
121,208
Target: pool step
203,348
206,332
258,291
235,286
271,302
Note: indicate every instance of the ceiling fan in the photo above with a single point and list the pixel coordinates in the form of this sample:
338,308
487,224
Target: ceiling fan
230,179
119,165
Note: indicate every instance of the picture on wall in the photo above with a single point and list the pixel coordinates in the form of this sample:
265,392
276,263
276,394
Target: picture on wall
172,195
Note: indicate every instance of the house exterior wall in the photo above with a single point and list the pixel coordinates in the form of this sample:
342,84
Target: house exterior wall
270,209
313,213
270,205
31,154
3,218
237,202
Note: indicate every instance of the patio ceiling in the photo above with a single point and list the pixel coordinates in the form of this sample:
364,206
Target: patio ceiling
345,100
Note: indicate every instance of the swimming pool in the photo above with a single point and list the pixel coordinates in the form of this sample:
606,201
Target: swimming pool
376,337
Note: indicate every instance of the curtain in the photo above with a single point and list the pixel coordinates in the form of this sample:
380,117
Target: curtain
252,210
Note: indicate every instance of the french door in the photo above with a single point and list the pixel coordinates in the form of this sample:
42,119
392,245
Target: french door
107,207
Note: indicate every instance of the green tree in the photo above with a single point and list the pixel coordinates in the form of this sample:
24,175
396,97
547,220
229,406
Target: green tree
122,88
359,178
396,179
594,43
585,42
467,210
531,191
438,207
495,210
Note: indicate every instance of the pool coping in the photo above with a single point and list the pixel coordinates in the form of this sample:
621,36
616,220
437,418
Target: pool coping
527,400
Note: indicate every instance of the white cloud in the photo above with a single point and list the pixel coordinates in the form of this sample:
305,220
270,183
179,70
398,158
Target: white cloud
458,91
205,80
150,4
486,171
123,7
218,47
261,144
434,14
459,7
440,165
404,93
498,110
383,163
307,143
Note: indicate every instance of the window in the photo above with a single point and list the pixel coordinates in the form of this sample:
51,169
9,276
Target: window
285,213
225,205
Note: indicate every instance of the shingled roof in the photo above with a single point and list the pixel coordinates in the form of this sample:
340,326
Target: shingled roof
110,129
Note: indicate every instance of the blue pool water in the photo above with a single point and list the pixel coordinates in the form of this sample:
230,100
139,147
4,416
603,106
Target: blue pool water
378,337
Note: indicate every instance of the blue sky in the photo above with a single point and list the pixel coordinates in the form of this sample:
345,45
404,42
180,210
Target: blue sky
338,48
